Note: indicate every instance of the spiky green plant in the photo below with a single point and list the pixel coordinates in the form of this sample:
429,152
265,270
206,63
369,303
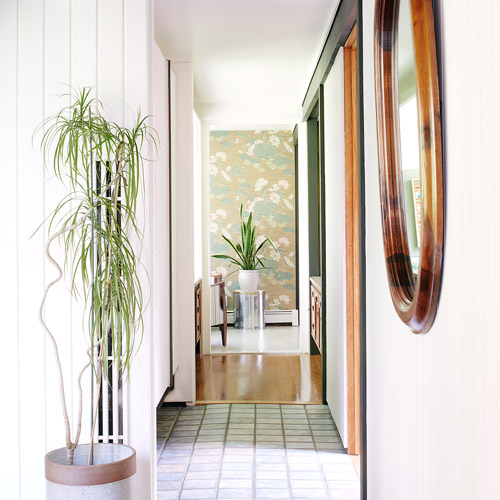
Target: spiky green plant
96,223
247,251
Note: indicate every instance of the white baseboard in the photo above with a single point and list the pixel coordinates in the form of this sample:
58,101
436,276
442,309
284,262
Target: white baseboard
290,316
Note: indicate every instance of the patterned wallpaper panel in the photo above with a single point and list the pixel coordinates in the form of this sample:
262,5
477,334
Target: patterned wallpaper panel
256,169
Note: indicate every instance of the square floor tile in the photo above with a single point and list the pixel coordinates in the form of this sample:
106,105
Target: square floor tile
204,474
344,495
204,467
214,445
343,485
172,467
308,493
198,493
214,452
266,466
240,437
167,460
270,451
190,484
304,467
269,429
305,475
271,483
298,439
206,459
236,474
168,495
239,430
269,445
228,466
270,459
268,420
269,474
237,459
235,483
263,438
306,483
168,485
271,493
169,476
236,494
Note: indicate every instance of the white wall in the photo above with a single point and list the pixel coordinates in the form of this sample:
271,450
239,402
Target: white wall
205,219
45,47
161,206
335,303
183,237
197,199
434,399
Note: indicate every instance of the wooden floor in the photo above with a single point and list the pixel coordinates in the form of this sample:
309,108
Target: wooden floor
258,378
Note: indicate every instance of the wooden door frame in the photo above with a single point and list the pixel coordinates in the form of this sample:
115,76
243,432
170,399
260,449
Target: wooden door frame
352,243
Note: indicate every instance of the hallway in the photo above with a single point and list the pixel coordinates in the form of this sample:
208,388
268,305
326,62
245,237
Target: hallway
247,451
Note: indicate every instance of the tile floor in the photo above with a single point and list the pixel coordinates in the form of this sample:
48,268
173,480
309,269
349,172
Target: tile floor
247,451
271,340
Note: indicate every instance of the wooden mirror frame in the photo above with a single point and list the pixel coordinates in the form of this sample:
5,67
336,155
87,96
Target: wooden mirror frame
415,301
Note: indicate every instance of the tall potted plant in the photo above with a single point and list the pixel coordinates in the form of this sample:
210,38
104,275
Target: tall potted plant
247,251
95,223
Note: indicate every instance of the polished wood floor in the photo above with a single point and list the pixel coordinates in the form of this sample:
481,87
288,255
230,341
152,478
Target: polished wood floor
258,378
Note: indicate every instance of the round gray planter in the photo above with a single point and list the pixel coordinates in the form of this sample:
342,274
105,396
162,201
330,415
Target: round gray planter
112,477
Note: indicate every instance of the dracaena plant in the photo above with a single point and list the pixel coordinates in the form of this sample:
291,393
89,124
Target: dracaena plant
247,250
102,164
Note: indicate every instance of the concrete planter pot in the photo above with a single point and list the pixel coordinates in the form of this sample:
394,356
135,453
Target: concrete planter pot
248,280
112,477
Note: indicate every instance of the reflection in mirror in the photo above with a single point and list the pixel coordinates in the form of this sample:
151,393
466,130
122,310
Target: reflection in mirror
408,126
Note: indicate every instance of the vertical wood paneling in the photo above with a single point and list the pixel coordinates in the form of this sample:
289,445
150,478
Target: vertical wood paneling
46,47
9,292
58,310
495,181
83,61
442,416
85,56
137,90
110,36
31,262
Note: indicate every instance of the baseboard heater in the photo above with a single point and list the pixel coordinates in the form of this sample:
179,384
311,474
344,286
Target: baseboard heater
281,317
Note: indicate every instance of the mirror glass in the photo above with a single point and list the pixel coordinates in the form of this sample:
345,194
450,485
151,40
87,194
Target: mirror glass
408,128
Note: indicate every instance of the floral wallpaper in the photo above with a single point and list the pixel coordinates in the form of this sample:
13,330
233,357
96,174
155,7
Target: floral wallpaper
256,169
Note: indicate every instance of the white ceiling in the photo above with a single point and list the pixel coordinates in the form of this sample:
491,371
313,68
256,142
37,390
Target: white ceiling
252,60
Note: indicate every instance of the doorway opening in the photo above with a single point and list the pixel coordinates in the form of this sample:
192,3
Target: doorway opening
255,170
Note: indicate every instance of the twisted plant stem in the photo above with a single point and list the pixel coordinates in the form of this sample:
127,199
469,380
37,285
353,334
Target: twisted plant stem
70,445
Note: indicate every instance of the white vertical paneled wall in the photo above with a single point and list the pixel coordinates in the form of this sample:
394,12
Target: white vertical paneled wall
334,302
433,399
161,236
183,234
46,47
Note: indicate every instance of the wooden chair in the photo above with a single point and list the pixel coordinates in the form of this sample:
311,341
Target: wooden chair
218,307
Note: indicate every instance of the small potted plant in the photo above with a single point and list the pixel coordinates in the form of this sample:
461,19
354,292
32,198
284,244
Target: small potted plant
247,257
101,162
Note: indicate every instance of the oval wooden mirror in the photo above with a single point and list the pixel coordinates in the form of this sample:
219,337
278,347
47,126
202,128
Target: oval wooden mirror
414,291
